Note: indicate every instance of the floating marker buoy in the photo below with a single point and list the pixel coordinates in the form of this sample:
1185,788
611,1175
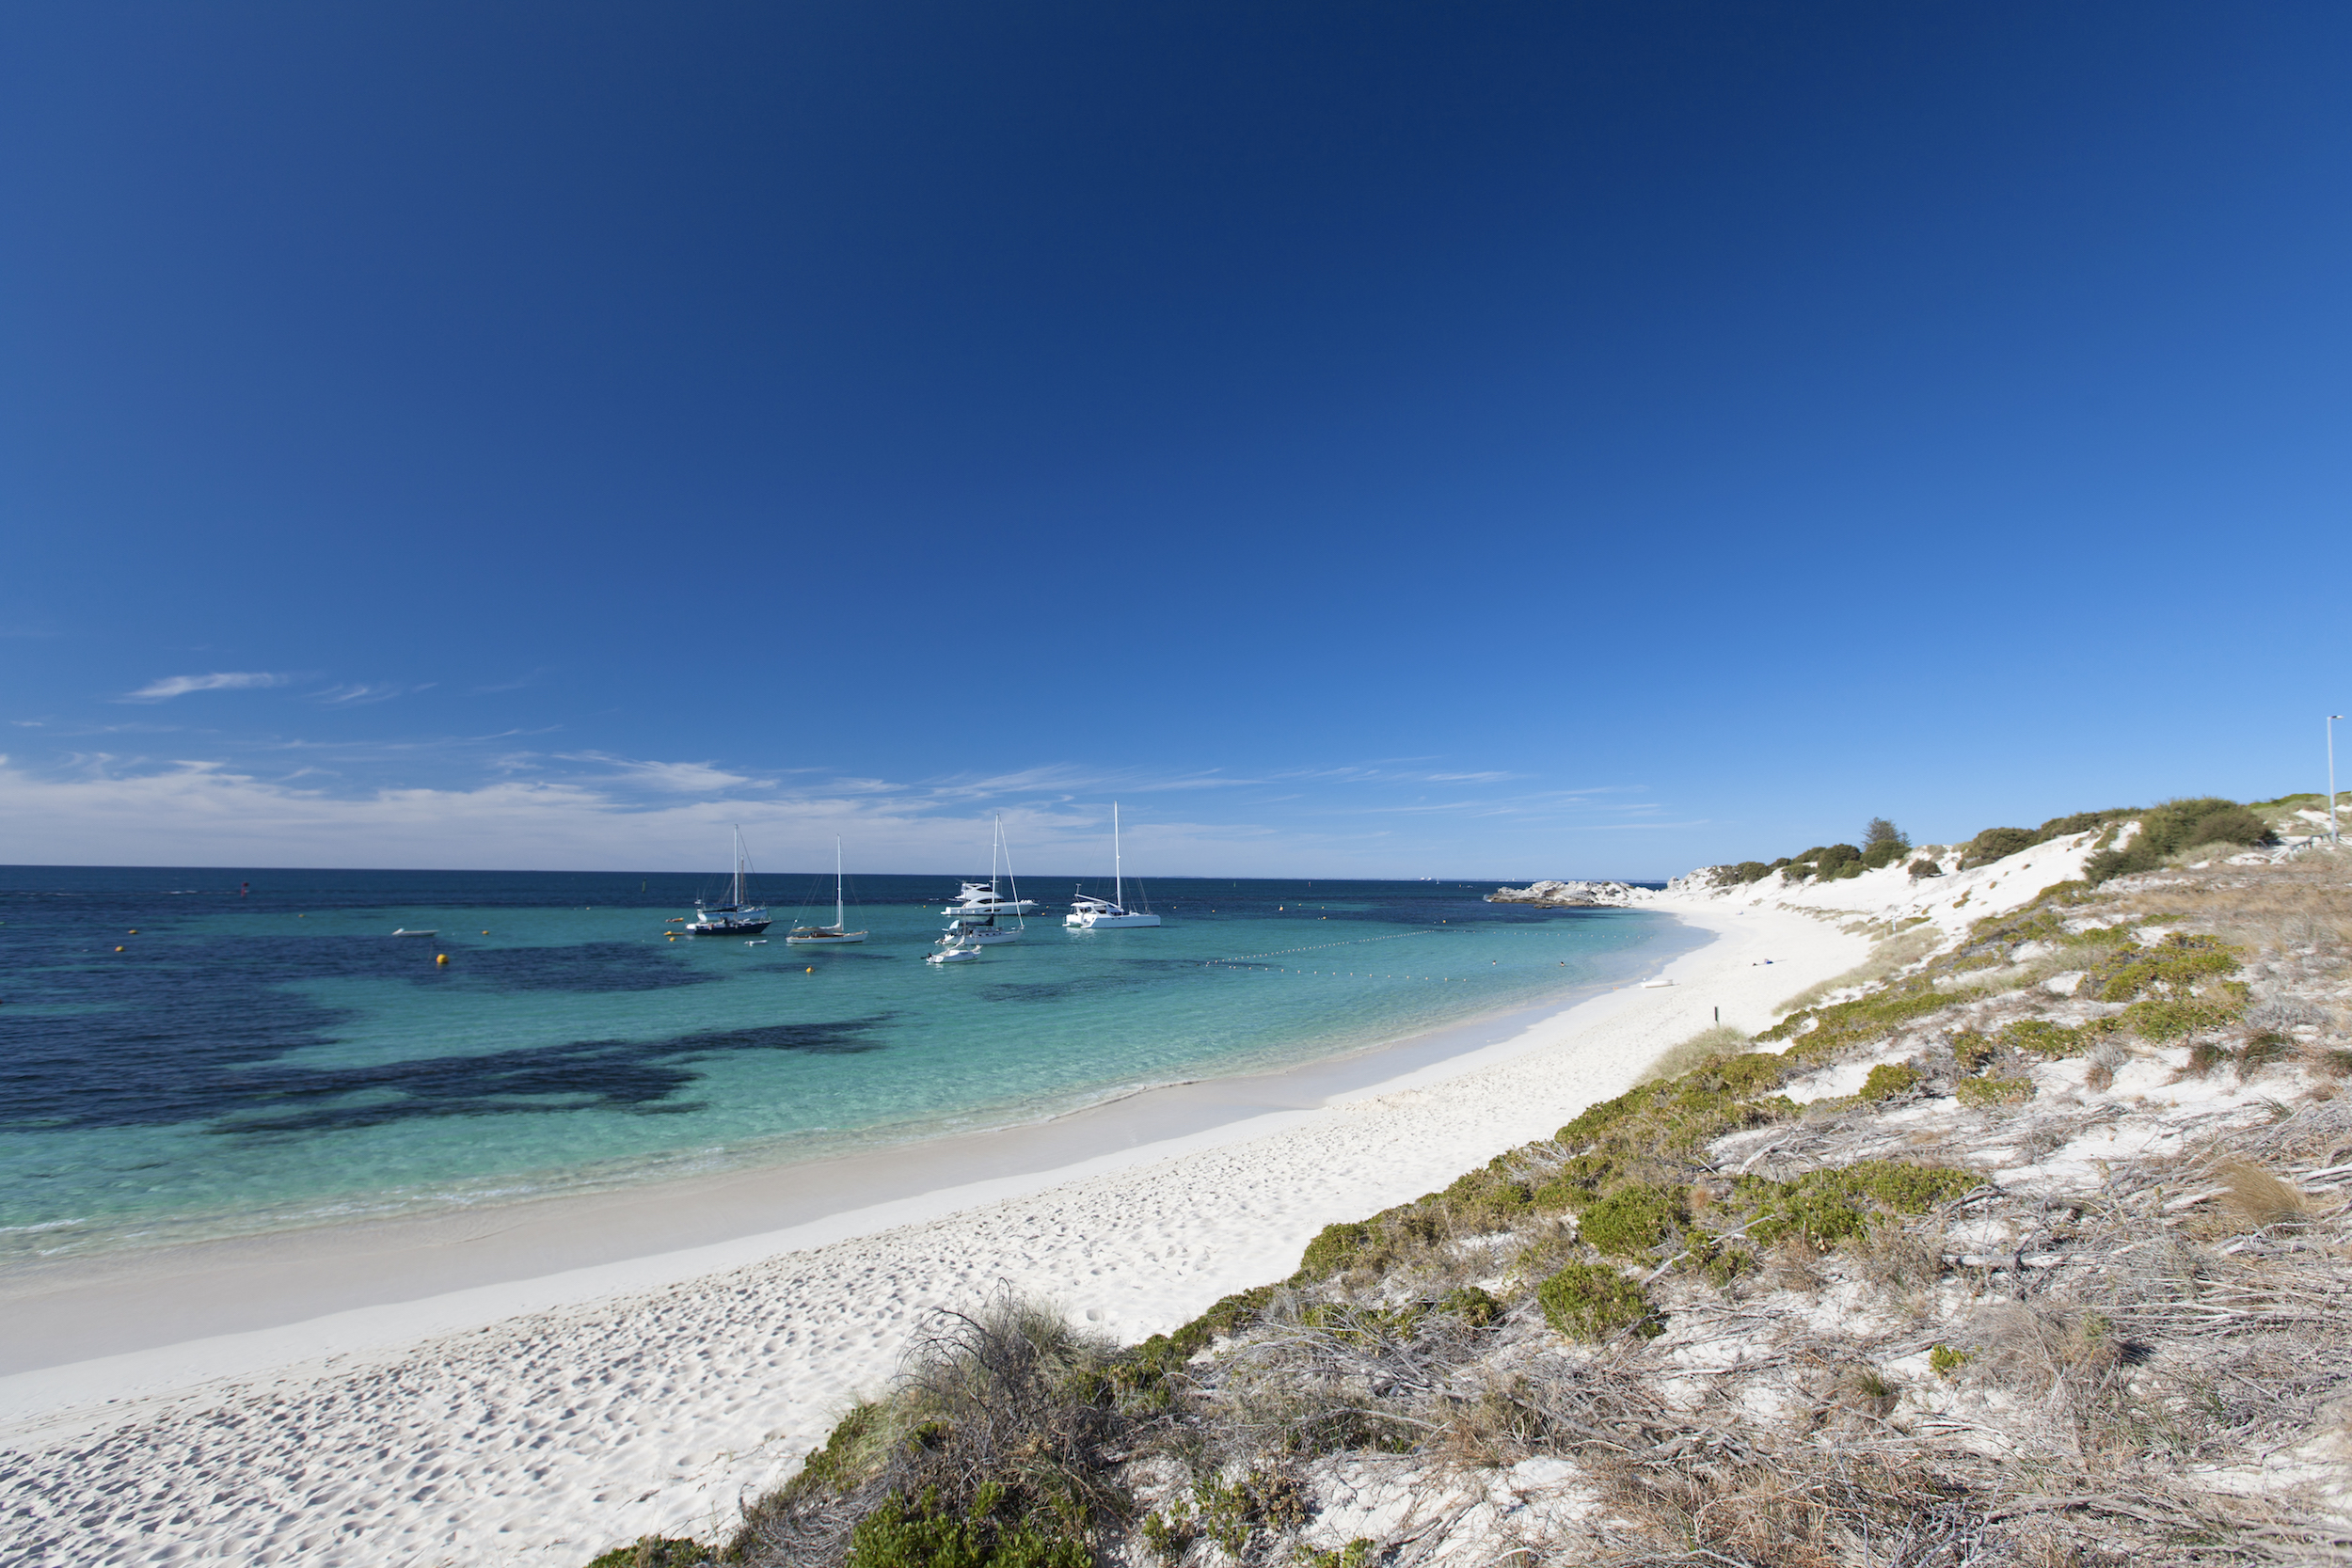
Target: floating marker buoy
118,949
442,959
135,930
485,933
810,969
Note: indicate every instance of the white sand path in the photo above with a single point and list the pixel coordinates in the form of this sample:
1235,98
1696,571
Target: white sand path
659,1392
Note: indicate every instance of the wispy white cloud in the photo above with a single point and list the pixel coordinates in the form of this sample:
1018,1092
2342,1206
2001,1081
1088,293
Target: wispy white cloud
180,686
348,695
678,778
601,810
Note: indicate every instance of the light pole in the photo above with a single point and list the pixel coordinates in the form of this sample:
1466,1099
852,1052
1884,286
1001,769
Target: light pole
2331,776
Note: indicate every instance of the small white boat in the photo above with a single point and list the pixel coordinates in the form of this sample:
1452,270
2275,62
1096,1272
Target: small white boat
756,942
982,930
737,917
977,933
953,956
1087,913
978,898
404,932
834,935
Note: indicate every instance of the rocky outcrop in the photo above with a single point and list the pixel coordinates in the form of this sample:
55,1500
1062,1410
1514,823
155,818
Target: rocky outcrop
1565,895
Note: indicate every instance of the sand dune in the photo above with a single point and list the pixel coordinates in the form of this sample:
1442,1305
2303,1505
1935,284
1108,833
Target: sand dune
544,1436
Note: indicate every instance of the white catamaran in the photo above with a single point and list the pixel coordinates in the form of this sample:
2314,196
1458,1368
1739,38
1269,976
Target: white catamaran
835,934
737,917
1095,914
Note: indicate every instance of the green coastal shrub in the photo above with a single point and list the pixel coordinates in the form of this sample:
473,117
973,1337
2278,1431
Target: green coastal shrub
2171,825
1885,853
2167,1018
1921,869
1982,1092
1995,844
1575,1183
2081,822
1591,1301
923,1534
1750,871
1836,858
1333,1247
1887,1080
2177,964
1863,1019
1473,1306
1634,1220
2041,1037
657,1551
1827,1207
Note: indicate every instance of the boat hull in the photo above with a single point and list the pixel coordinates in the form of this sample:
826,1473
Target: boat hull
727,928
1107,922
825,939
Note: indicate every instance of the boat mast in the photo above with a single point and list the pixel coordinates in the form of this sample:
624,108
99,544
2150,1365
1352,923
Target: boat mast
1119,884
838,923
1021,919
738,868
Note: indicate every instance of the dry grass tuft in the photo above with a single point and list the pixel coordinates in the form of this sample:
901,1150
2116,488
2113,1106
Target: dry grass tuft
2258,1197
1895,953
1697,1052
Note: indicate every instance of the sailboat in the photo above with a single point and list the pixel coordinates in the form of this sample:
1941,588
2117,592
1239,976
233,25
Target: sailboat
1095,914
735,917
835,934
981,930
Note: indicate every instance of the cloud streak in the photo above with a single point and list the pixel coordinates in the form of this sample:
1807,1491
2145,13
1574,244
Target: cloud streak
180,686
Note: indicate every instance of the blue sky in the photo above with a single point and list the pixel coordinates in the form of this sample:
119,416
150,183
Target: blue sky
1486,440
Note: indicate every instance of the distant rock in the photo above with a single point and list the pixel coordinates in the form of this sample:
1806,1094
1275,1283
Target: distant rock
1565,895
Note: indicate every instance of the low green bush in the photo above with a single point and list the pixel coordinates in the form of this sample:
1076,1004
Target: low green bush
1981,1092
2041,1037
1942,1360
2230,825
657,1551
1827,1207
1591,1301
1886,852
1922,869
1634,1220
1473,1306
1575,1183
2177,963
1863,1019
2171,825
2176,1018
1887,1080
1996,842
923,1534
1333,1247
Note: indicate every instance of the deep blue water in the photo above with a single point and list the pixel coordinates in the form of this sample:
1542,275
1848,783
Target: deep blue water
178,1060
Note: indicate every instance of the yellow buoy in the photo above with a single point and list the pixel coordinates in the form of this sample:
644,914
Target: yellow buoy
442,959
118,949
135,930
810,969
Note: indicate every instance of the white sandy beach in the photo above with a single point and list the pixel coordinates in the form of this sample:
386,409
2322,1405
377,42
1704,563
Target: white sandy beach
541,1420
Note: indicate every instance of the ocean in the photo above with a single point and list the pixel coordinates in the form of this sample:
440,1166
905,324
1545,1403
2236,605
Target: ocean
187,1054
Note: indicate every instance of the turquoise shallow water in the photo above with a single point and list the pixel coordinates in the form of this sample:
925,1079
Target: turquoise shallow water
274,1057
